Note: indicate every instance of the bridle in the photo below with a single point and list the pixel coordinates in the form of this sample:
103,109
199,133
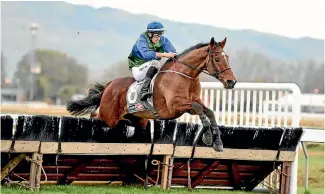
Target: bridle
217,73
204,70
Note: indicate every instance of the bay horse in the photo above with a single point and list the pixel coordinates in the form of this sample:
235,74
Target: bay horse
176,91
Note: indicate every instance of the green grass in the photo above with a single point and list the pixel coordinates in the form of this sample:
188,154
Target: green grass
314,147
53,189
316,169
49,189
320,190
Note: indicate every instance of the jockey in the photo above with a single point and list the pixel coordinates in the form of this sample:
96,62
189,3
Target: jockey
144,59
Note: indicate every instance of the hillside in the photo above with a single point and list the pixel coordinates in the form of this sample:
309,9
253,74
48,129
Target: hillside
99,37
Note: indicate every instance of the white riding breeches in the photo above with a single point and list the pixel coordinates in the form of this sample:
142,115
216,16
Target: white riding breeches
139,73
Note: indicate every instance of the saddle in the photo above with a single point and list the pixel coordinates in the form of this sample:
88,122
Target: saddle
134,104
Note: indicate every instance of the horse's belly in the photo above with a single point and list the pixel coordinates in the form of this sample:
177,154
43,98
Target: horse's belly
166,114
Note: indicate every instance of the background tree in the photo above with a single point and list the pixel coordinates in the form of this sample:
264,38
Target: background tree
115,70
314,77
59,72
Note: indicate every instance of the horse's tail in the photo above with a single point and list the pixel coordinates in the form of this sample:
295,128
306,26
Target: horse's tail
90,103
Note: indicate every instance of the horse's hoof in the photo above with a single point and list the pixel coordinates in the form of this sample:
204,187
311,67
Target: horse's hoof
218,147
207,137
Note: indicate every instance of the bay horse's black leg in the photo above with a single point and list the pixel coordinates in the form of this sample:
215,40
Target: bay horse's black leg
207,139
217,144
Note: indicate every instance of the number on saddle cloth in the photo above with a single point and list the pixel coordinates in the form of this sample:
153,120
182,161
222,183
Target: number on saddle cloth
134,103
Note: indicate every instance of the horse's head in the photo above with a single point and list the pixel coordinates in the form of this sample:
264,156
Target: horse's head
218,64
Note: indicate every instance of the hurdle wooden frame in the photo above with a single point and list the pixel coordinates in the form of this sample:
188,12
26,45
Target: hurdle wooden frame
38,148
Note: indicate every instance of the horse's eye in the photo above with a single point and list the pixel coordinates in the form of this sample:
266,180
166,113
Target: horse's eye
216,59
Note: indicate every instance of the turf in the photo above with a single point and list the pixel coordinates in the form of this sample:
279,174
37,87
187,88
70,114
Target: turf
112,190
316,169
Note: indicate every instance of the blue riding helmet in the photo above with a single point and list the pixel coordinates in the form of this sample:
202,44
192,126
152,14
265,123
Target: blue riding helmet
155,27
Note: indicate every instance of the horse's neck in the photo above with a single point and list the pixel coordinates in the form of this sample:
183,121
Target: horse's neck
195,58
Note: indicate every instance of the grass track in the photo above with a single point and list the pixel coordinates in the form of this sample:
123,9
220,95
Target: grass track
113,190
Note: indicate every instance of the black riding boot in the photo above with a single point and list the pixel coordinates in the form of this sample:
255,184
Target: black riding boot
144,94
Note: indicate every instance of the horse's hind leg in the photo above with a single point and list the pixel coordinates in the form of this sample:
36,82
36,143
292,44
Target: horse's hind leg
135,121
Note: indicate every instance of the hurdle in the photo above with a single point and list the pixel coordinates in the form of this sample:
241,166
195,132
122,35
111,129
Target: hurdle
73,150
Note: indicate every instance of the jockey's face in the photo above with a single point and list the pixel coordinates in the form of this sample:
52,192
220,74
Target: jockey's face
154,38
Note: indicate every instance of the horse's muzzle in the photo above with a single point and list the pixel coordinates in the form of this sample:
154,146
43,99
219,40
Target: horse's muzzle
231,84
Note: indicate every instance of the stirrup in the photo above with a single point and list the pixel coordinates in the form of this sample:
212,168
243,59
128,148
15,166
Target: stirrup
145,96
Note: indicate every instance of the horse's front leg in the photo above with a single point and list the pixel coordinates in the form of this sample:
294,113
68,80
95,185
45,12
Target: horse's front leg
207,135
182,105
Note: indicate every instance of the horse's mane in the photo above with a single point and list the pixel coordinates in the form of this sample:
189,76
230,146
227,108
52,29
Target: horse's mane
191,48
197,46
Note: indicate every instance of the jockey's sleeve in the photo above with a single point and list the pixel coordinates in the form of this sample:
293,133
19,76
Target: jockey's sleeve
144,50
168,46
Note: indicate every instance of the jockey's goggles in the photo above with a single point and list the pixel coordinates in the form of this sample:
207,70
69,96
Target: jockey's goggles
156,33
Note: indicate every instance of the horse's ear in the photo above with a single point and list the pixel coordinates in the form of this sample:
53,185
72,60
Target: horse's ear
223,43
212,43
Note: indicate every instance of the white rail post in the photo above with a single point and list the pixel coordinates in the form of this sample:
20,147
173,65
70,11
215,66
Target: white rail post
296,94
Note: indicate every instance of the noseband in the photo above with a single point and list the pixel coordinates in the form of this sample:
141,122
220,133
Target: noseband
216,72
